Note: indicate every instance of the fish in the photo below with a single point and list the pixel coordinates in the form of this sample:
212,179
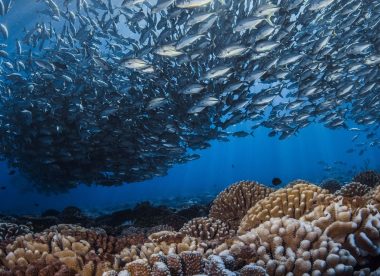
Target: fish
217,72
189,4
232,51
168,51
249,23
276,181
316,5
192,89
4,31
108,92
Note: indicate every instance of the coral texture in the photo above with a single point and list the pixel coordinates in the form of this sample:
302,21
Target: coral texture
282,245
294,201
358,230
374,197
353,189
9,231
299,230
232,204
207,229
369,178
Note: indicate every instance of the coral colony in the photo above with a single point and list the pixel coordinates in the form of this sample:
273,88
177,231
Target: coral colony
301,229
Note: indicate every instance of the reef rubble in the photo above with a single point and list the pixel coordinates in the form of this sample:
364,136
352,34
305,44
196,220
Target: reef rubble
300,229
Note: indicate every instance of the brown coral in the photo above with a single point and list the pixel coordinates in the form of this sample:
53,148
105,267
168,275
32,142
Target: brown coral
358,230
294,201
369,178
207,229
232,204
9,231
166,236
353,189
374,197
282,245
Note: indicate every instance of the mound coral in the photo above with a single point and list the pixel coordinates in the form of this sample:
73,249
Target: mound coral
283,245
207,229
232,204
353,189
294,201
369,178
358,230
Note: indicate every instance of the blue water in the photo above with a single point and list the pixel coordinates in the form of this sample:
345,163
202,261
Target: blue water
315,154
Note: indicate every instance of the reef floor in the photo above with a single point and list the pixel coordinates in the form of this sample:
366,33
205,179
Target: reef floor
248,229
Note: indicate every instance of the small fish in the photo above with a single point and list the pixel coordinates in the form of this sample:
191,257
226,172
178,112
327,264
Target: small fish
232,51
3,187
316,5
4,31
168,51
188,4
276,181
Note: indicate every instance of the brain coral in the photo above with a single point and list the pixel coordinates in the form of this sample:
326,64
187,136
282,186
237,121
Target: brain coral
369,178
283,245
232,204
353,189
294,201
357,229
207,229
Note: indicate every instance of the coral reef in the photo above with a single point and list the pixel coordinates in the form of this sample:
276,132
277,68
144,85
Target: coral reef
232,204
332,185
374,197
282,245
299,230
369,178
207,229
358,230
294,201
9,231
353,189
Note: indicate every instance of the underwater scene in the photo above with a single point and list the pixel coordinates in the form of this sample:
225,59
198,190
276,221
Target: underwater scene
189,137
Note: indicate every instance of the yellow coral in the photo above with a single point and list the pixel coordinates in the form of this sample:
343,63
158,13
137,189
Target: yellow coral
293,201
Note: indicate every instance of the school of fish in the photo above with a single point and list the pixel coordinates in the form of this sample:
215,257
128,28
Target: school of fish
106,92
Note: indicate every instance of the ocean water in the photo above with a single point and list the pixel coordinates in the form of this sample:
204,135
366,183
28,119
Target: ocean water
315,153
123,123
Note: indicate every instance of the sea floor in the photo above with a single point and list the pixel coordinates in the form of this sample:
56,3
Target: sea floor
248,229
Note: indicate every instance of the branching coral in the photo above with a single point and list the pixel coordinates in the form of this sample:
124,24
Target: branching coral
282,245
207,229
167,237
294,201
353,189
232,204
369,178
